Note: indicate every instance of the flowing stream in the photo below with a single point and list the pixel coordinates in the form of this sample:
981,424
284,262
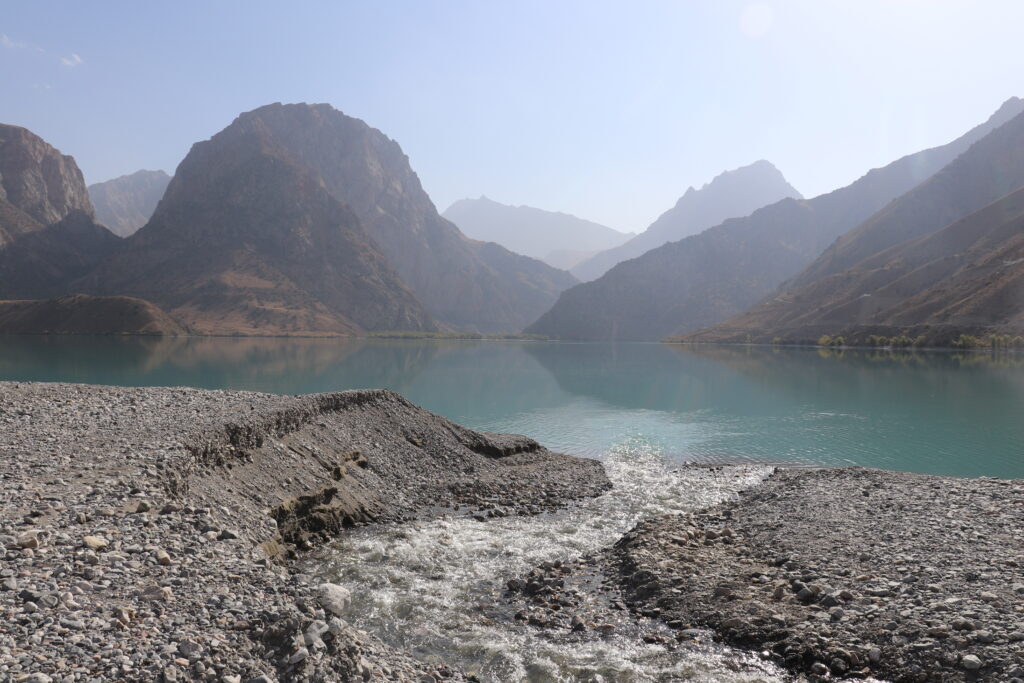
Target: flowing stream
434,588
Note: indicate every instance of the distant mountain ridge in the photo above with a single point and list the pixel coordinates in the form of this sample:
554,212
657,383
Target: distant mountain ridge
708,278
945,258
559,239
731,194
47,233
127,203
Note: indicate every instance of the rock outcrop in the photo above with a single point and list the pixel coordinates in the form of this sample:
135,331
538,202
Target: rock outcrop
127,203
37,179
731,194
708,278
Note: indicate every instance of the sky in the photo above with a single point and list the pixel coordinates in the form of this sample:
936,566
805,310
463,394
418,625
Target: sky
606,110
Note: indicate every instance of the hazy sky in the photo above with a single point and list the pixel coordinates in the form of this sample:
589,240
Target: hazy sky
608,110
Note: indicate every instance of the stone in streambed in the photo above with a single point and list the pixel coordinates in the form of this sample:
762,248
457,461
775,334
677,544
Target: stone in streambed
334,598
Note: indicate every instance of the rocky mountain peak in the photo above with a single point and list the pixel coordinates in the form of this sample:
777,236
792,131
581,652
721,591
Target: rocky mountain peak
37,179
731,194
466,284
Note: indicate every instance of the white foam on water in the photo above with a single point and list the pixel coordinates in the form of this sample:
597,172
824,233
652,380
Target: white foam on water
430,588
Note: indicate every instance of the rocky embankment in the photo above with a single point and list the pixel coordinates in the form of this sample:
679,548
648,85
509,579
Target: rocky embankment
84,314
843,573
145,532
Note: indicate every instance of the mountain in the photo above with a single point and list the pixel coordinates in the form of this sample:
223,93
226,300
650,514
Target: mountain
47,233
707,278
125,204
37,179
247,240
944,259
731,194
82,314
467,284
559,239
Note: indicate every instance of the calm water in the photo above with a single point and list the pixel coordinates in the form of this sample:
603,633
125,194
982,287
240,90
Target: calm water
944,413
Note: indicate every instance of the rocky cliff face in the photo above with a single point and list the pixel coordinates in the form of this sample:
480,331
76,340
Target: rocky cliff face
705,279
247,240
38,180
731,194
47,233
460,281
125,204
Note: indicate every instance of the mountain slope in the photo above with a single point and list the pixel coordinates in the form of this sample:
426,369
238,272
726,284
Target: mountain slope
731,194
37,179
47,233
923,274
83,314
460,281
247,241
704,279
125,204
559,239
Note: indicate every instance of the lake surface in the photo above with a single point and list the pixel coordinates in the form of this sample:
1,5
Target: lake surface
942,413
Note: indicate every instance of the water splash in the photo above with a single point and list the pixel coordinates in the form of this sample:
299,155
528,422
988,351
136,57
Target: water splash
430,588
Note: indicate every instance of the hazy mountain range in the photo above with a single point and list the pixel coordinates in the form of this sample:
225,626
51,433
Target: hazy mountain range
707,278
731,194
125,204
297,219
559,239
944,259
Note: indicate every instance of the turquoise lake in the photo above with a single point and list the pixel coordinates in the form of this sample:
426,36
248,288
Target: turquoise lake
942,413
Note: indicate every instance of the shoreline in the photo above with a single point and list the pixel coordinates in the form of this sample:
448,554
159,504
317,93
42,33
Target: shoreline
131,517
828,572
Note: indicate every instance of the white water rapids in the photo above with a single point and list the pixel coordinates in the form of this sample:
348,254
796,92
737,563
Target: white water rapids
430,588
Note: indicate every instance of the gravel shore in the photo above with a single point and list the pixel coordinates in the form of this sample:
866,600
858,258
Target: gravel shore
832,573
145,533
